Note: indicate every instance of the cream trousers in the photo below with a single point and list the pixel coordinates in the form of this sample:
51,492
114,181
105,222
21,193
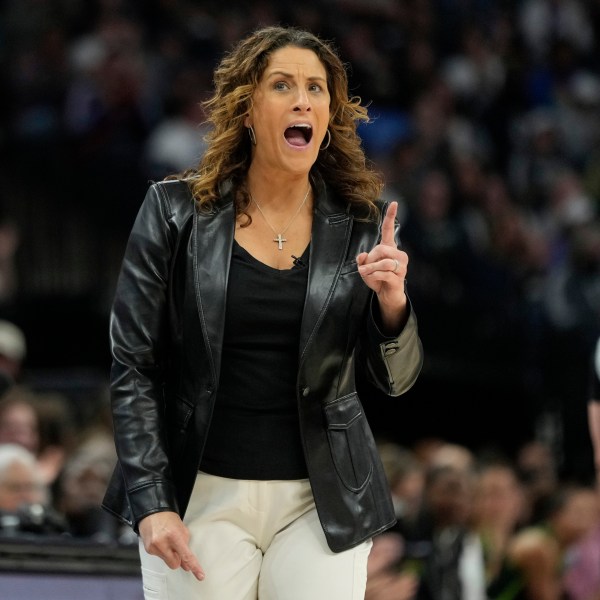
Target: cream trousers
257,540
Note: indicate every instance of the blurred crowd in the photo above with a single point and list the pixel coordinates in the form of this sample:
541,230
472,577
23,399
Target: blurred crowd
485,527
485,123
54,468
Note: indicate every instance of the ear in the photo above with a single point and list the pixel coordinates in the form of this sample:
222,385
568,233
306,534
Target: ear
247,121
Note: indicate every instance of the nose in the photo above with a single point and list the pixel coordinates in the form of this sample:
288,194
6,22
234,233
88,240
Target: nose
302,102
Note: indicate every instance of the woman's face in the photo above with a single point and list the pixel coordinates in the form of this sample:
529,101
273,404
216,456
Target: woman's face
290,111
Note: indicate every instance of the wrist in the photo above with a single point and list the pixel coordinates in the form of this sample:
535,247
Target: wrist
393,319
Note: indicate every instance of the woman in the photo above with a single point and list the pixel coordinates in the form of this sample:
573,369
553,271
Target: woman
252,290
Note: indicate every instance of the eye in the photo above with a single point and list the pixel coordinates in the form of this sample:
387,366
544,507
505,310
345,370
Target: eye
280,85
315,87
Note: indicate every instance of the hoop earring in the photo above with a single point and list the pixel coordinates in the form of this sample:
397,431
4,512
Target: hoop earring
252,135
328,141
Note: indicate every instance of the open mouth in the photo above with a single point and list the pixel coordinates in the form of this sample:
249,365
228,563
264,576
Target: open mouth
298,135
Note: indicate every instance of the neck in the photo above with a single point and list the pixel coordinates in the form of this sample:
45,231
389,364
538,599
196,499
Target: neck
277,194
296,211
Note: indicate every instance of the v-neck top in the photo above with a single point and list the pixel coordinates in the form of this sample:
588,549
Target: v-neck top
255,432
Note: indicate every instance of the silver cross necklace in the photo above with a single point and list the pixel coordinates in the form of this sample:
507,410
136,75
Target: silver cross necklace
279,239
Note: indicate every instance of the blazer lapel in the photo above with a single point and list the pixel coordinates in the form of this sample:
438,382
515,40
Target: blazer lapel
331,229
212,247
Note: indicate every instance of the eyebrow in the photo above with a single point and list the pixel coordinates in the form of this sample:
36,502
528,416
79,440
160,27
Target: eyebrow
279,73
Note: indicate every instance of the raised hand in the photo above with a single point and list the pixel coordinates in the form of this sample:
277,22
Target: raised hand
384,269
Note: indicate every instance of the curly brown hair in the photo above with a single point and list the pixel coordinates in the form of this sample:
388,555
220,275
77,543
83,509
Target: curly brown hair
343,164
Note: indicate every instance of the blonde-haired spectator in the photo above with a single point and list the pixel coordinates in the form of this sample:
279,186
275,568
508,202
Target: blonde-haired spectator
40,423
21,480
25,498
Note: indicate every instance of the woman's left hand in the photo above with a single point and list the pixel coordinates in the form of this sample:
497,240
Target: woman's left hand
384,269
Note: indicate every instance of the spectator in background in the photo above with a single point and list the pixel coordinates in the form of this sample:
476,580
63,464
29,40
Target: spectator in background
80,489
406,476
454,455
498,513
541,552
581,577
21,481
25,498
538,471
26,419
454,568
391,575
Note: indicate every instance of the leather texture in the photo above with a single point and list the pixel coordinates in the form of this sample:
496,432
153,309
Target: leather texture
166,332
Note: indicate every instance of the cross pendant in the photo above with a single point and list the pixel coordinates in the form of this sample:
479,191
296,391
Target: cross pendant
279,240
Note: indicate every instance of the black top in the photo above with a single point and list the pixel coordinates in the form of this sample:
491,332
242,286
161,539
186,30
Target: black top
254,433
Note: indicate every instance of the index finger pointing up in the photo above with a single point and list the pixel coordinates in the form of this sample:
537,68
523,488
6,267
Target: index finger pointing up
388,225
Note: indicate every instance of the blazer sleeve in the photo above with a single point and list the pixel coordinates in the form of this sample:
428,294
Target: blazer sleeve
393,363
138,339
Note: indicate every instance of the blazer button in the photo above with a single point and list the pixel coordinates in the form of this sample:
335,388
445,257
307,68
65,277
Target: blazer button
305,391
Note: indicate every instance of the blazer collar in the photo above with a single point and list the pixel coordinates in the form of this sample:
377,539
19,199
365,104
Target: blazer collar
212,242
212,246
331,229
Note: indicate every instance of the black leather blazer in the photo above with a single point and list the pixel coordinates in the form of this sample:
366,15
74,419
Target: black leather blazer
166,334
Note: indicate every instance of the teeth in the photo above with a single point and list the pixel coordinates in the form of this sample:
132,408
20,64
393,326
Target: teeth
302,125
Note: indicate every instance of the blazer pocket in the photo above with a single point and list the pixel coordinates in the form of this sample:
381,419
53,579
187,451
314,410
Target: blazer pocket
347,434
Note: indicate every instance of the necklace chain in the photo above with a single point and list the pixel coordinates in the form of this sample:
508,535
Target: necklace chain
279,239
